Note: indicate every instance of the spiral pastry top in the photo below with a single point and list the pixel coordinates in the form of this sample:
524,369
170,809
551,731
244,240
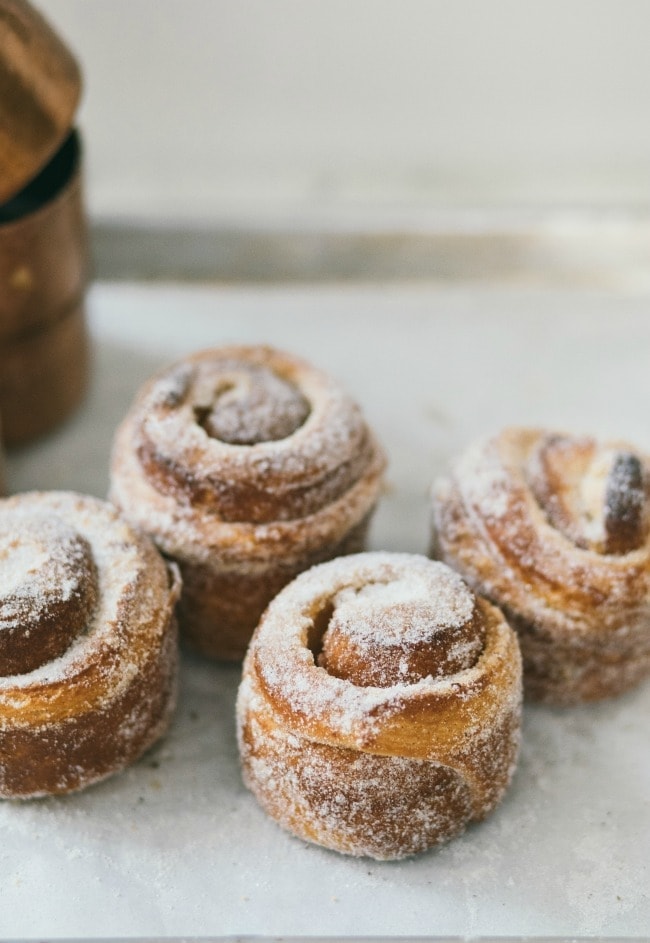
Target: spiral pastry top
556,530
239,458
87,643
379,708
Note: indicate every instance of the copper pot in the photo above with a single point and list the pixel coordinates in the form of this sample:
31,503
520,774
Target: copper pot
43,233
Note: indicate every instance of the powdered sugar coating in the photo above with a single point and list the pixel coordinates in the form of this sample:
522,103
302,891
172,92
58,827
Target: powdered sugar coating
259,512
121,566
250,404
332,796
40,557
127,642
410,609
48,587
315,463
522,518
286,663
303,475
295,717
422,623
19,566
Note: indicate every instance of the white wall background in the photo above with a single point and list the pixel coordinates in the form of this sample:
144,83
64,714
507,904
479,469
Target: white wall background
196,109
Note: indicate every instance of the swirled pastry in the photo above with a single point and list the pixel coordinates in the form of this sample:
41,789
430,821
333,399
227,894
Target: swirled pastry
379,708
246,466
88,643
555,530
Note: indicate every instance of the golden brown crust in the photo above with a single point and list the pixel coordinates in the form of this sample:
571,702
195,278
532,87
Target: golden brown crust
76,712
554,529
246,466
380,761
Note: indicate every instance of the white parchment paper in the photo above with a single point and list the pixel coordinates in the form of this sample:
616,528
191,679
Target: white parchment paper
175,845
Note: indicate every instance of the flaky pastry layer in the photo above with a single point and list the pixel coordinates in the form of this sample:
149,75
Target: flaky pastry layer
554,530
242,518
95,707
379,770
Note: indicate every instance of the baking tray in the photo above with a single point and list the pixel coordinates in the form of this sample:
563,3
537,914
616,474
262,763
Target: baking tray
175,846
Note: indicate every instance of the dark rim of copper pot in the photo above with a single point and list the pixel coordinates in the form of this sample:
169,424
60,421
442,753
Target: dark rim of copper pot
48,184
